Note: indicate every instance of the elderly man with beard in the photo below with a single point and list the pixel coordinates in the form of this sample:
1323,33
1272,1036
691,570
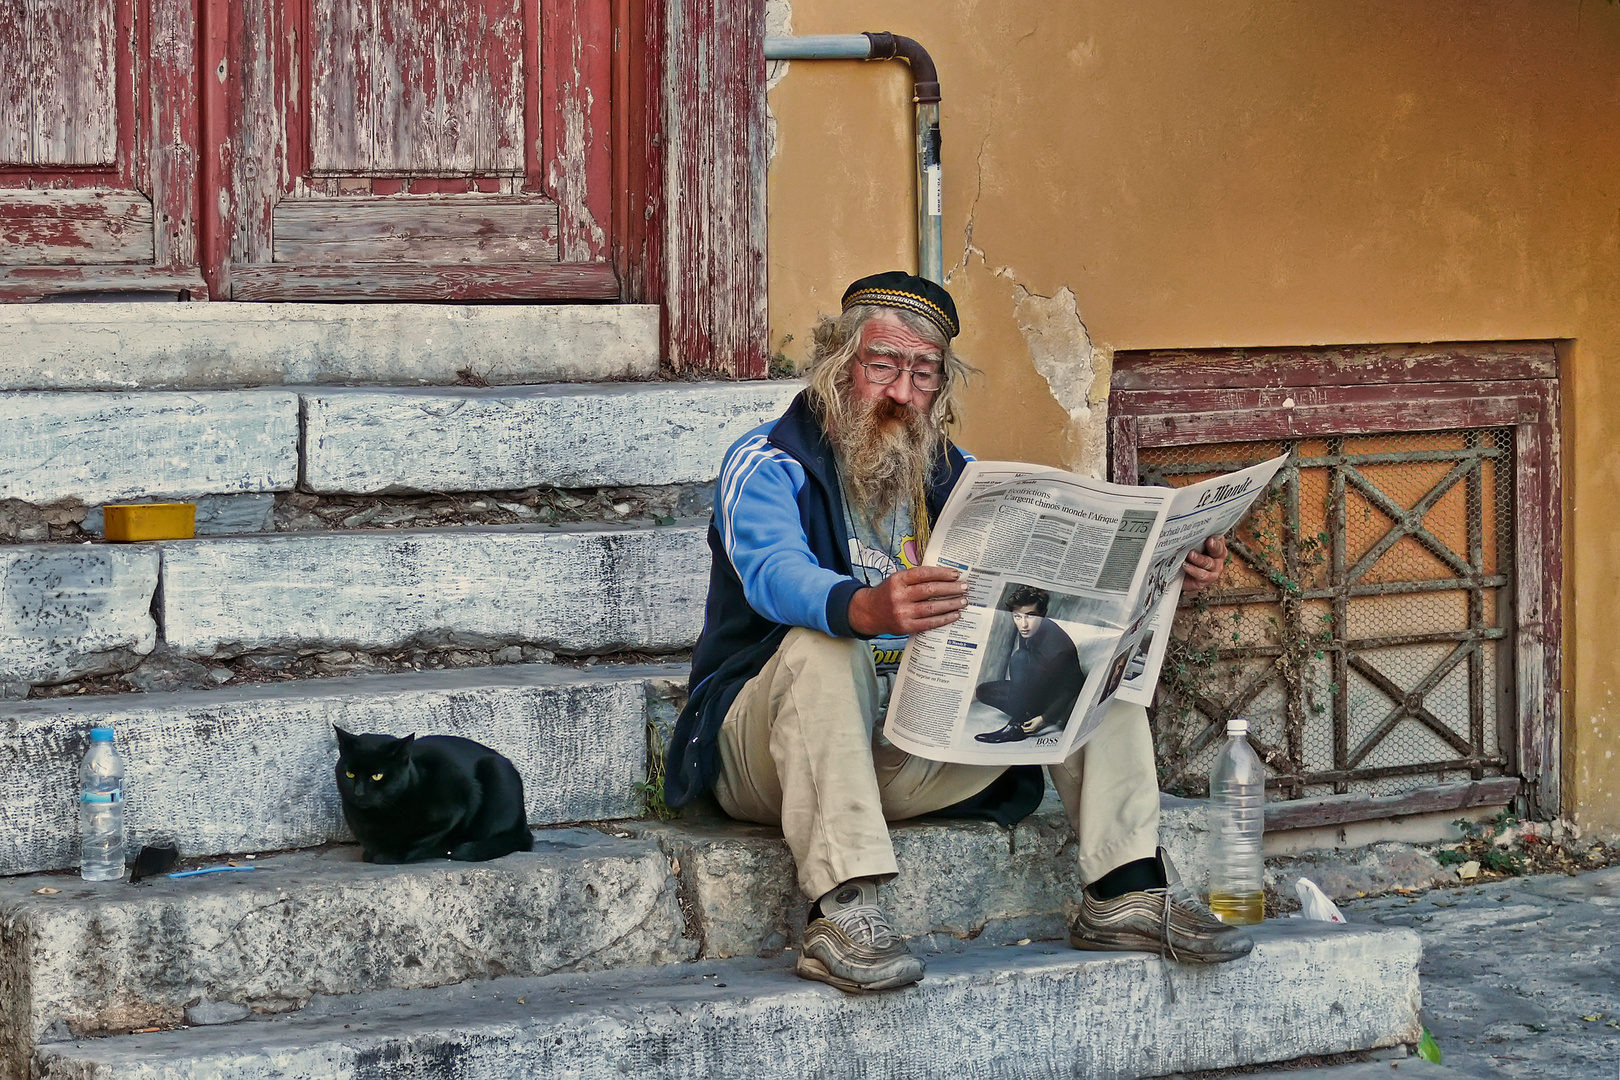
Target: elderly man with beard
820,520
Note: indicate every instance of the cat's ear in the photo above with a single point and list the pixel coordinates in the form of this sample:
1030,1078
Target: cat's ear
344,738
400,749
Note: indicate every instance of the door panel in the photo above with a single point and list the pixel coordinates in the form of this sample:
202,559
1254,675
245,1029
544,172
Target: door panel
452,229
335,149
418,87
57,83
438,282
98,148
575,163
75,227
379,149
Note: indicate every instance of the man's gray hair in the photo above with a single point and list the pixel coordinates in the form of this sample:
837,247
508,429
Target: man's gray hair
832,354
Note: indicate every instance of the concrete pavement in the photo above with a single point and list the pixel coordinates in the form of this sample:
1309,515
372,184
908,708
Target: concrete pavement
1520,978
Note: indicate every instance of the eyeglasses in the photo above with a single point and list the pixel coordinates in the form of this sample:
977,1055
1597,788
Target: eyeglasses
882,373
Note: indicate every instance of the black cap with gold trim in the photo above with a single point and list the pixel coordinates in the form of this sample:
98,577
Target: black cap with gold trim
898,289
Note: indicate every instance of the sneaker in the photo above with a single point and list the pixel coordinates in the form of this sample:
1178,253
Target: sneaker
1170,921
851,945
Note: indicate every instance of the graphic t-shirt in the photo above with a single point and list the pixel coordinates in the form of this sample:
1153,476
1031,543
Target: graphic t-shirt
876,550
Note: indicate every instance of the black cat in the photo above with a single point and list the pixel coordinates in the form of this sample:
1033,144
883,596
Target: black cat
440,796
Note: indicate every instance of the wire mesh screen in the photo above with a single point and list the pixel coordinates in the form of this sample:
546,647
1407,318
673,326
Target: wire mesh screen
1363,624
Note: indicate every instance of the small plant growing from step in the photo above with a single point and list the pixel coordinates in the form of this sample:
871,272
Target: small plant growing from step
652,788
780,365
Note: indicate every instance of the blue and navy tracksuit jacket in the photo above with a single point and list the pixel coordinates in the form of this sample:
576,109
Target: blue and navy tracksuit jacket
779,559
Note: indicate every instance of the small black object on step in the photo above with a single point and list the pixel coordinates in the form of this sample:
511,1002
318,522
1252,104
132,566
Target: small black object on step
154,859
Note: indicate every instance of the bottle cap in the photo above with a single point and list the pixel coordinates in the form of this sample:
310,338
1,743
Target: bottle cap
101,734
1237,726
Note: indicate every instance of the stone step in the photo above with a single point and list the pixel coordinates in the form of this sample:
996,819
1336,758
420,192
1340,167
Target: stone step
94,958
99,448
959,880
153,445
107,958
1033,1011
223,345
250,769
569,588
498,439
73,610
104,957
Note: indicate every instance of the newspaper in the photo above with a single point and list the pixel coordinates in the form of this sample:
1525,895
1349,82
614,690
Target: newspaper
1072,584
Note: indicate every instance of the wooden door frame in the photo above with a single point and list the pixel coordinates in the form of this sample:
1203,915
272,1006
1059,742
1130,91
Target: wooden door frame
711,139
1179,398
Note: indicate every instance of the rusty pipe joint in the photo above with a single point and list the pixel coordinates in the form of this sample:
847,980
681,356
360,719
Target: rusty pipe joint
924,78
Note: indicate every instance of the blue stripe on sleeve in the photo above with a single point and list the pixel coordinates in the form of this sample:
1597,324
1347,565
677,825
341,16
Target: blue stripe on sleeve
757,513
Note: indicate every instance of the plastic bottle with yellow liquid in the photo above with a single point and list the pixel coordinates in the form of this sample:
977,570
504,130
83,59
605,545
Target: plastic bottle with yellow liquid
1237,819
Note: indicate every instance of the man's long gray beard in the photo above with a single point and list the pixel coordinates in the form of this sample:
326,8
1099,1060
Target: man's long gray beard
886,452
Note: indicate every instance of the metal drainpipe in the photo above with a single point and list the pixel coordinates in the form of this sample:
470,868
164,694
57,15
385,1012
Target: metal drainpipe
925,93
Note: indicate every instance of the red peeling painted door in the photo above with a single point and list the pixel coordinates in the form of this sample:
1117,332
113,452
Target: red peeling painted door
409,149
98,128
309,149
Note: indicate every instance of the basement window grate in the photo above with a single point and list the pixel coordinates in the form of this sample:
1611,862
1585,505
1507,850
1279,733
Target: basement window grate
1364,621
1390,619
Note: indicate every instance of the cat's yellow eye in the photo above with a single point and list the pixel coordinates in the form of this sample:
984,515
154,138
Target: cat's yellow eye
349,774
376,776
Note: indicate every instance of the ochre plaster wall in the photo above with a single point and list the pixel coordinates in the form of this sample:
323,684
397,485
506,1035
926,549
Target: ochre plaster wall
1175,174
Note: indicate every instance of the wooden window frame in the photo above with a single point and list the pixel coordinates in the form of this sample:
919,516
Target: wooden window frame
1168,398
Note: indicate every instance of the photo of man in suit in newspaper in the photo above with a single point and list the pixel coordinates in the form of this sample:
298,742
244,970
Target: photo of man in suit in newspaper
1043,678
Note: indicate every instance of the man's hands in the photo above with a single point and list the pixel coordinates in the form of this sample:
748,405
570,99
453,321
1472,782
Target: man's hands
1204,569
909,602
924,597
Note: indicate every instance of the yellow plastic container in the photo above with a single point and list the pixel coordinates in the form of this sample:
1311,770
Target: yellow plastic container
151,521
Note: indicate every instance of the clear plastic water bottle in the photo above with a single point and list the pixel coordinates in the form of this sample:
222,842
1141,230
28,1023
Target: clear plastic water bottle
1237,820
101,809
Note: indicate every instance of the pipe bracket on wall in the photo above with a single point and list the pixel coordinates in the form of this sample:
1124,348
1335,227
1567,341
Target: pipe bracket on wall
930,178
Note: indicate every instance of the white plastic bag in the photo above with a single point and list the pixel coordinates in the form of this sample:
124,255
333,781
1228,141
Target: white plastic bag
1314,903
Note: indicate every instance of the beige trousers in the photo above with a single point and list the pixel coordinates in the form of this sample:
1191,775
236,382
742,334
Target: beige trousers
796,750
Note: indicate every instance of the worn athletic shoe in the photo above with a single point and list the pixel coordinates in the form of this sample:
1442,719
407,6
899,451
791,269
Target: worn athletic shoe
1170,921
851,945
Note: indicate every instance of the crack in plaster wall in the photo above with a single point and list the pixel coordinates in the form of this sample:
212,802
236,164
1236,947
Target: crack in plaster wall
1063,354
968,250
1075,369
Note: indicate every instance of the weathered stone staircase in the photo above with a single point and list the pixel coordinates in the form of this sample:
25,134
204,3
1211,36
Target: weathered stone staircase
619,945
